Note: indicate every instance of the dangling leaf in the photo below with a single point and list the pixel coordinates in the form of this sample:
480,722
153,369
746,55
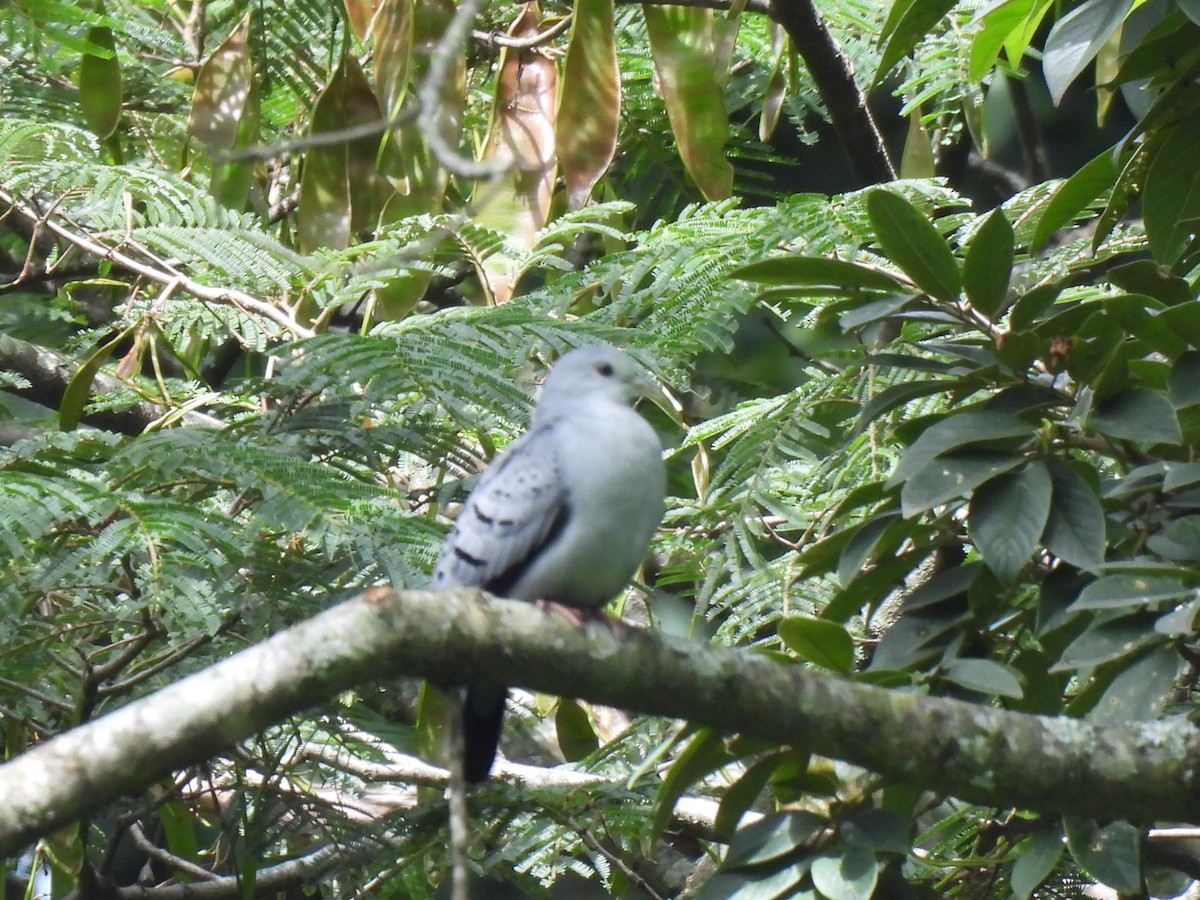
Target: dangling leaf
522,138
339,189
681,39
100,83
225,112
589,104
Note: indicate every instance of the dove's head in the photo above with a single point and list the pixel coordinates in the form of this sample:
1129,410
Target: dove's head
596,372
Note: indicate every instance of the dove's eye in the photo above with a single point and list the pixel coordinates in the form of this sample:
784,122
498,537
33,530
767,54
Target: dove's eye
604,369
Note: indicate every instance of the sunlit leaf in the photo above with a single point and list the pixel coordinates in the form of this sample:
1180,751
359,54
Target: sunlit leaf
521,137
100,83
340,191
589,105
682,41
1076,38
909,238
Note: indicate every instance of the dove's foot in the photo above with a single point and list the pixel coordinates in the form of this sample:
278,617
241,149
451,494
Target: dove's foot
579,617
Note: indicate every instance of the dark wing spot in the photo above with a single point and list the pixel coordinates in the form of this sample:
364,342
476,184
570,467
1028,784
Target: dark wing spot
486,520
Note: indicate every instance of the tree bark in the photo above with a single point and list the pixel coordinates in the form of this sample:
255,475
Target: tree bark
1140,771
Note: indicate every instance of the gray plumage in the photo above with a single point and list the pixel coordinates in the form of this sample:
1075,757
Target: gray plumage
564,514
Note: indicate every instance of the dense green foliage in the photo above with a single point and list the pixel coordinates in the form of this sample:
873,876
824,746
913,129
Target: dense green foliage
919,442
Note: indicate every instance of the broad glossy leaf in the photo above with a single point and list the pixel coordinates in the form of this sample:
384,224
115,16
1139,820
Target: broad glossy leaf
850,874
917,160
862,547
683,43
1137,415
1179,541
985,676
706,752
589,105
1107,641
75,397
225,113
1112,854
907,22
1145,276
1140,691
771,838
522,137
825,643
1171,201
392,32
818,271
100,83
953,475
999,22
340,192
776,90
987,267
912,242
359,12
877,829
1122,591
1074,195
961,430
1183,384
756,885
576,736
740,795
1076,38
1037,858
1075,527
222,87
1007,518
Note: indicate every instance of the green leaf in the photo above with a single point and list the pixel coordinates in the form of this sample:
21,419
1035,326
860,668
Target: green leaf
1171,201
340,192
1183,383
1037,858
825,643
100,83
960,430
589,100
757,886
1075,40
849,875
1112,855
912,242
740,795
988,264
1073,196
985,676
907,22
953,475
75,397
576,736
771,838
1075,530
877,829
682,43
706,752
1120,591
1105,642
817,271
1000,20
1141,690
1007,518
862,547
1138,415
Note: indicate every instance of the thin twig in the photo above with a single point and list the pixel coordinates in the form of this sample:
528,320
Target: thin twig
498,39
165,275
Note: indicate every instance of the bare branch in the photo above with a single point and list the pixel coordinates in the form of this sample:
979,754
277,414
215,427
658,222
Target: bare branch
163,273
1140,771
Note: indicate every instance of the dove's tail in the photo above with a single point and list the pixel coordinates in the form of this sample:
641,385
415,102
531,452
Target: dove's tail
483,713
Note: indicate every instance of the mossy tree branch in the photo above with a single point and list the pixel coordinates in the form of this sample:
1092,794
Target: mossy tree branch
1141,772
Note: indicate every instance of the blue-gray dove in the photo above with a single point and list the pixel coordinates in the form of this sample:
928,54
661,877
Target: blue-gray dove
564,515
